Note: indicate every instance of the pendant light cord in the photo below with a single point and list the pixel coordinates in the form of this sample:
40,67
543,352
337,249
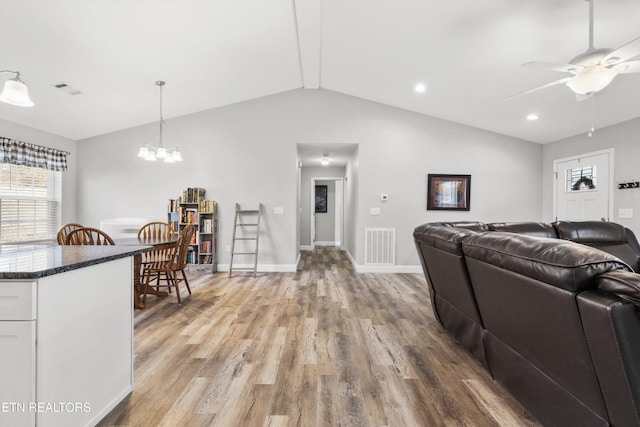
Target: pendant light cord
161,84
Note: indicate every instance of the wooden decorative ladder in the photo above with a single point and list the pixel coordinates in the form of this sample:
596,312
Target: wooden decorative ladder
254,225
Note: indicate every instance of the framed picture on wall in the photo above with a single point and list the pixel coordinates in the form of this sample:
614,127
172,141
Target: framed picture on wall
448,192
321,199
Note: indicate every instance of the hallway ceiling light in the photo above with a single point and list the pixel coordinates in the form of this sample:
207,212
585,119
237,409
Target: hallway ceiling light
325,160
532,117
15,92
420,88
151,153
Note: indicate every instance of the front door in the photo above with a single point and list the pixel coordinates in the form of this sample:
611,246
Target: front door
583,187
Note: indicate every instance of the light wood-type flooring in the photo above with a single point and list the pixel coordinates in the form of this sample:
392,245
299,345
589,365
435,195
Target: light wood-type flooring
324,346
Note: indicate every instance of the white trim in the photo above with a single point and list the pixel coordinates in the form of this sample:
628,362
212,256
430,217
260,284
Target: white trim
305,248
327,244
397,269
262,268
298,260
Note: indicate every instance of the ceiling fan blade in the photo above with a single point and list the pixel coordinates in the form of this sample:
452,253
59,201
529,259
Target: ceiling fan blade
567,68
623,53
557,82
628,67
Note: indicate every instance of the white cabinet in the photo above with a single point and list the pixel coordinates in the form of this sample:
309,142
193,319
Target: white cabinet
17,352
66,346
17,372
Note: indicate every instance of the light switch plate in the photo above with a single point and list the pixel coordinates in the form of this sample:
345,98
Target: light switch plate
625,213
278,210
374,211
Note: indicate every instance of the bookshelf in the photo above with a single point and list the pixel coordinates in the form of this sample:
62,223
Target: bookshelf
193,208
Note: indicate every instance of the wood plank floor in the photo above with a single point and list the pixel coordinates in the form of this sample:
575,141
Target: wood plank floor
320,347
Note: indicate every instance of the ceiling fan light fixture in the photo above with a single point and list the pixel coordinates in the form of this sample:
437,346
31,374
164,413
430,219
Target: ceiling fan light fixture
592,80
15,92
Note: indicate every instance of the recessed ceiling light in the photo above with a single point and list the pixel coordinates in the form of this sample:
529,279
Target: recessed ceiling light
420,87
532,117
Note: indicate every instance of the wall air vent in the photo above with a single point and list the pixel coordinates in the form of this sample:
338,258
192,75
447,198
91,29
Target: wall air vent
67,89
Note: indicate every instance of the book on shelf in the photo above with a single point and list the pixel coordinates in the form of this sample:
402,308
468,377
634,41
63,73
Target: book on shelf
207,206
192,195
188,216
206,247
206,226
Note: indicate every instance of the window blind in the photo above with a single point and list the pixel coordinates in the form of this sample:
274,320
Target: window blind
29,203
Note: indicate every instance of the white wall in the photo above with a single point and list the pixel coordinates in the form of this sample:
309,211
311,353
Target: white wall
247,152
623,138
307,174
23,133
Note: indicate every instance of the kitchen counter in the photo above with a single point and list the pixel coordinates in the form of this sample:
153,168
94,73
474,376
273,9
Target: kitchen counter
18,262
66,333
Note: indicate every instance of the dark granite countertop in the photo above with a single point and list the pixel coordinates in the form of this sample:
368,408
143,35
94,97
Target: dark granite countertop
34,261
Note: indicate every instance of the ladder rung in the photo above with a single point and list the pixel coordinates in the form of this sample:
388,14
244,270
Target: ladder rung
243,268
246,238
244,253
247,225
248,212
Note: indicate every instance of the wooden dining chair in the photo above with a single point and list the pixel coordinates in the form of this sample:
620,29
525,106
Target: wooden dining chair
170,268
64,231
156,231
88,236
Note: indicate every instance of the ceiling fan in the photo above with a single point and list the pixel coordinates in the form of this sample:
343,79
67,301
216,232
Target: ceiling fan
594,69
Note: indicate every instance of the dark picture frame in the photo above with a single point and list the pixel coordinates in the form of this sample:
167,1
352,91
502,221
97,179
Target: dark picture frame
321,198
448,192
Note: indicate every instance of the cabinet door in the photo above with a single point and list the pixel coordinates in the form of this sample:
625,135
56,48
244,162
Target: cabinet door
17,373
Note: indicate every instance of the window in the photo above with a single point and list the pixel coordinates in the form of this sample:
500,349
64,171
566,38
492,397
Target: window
29,203
581,179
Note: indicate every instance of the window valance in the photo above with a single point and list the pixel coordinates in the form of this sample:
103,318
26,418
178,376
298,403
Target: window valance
26,154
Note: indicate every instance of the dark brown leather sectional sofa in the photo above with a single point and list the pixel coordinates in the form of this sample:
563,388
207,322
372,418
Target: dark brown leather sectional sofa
551,310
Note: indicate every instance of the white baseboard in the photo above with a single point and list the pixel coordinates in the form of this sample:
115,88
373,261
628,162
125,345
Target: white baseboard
383,268
331,243
306,247
388,269
263,268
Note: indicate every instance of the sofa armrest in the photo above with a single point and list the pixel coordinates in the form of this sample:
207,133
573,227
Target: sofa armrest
623,284
612,328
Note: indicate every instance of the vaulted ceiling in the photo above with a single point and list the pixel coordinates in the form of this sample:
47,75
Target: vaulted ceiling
212,53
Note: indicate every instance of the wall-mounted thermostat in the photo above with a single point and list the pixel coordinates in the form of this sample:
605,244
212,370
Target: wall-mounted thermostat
384,197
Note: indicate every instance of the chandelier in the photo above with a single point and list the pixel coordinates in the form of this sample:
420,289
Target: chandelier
151,153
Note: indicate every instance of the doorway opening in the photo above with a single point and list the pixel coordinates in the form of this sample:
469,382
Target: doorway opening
327,212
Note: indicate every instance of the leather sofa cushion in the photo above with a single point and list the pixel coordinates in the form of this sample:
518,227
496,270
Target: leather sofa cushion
623,284
469,225
446,238
560,263
607,236
538,229
591,232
